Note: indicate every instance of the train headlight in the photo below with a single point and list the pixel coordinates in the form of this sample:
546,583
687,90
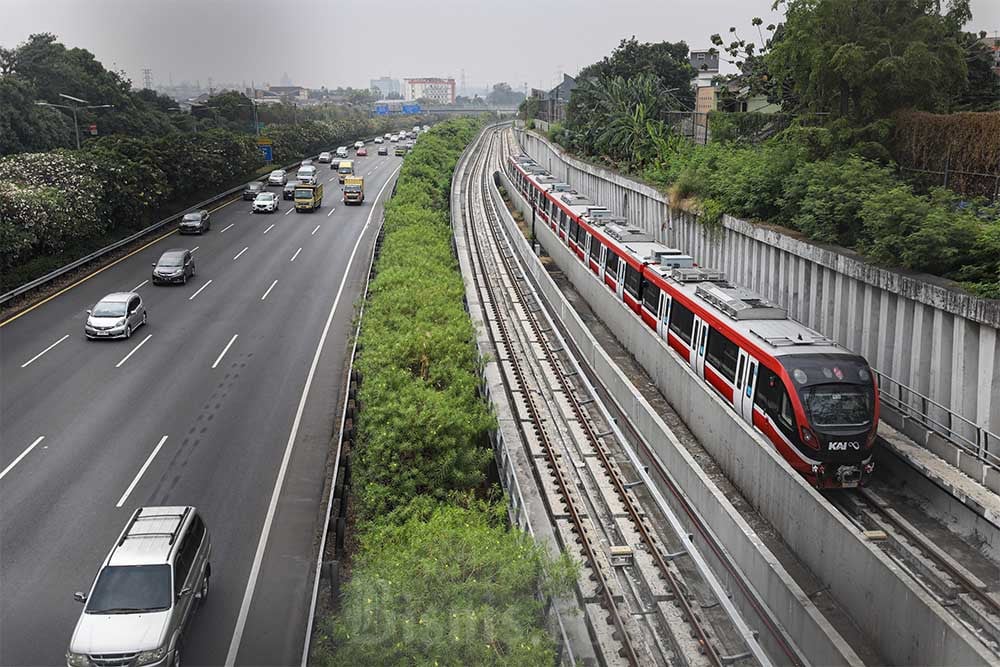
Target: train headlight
809,438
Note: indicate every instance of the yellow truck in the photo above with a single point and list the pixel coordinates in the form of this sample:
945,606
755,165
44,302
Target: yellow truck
308,196
345,169
354,190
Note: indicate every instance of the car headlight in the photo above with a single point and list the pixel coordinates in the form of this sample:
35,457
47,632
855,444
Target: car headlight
149,657
77,659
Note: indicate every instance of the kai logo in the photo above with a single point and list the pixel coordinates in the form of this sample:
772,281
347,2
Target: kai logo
843,445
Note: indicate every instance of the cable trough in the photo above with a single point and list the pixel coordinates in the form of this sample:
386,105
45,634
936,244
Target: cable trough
644,599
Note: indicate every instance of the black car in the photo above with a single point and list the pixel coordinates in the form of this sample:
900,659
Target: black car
289,190
335,163
252,189
174,266
195,222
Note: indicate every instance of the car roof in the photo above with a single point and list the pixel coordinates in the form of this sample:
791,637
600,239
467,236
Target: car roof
267,194
150,536
116,297
173,251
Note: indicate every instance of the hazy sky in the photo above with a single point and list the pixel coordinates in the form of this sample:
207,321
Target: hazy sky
342,42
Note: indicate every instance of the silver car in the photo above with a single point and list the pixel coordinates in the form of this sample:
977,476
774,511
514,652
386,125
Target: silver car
115,316
277,177
145,593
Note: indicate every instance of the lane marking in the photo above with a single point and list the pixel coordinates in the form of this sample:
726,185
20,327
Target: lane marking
330,180
241,620
331,212
191,298
138,476
269,228
21,456
289,210
28,362
195,249
316,230
269,290
225,349
240,253
225,228
139,285
100,270
134,350
295,255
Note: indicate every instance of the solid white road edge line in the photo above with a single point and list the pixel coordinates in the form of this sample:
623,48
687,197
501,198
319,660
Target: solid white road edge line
316,230
191,298
240,253
225,228
269,290
138,476
269,228
295,255
142,283
134,350
25,364
21,456
241,620
225,349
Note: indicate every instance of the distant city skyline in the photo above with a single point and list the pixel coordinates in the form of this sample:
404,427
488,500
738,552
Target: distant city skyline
478,43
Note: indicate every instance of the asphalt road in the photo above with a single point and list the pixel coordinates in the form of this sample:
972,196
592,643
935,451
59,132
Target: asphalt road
221,371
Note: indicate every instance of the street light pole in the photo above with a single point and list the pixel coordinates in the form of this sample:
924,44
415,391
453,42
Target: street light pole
74,108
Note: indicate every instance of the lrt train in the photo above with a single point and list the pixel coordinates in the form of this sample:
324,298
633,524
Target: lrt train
814,400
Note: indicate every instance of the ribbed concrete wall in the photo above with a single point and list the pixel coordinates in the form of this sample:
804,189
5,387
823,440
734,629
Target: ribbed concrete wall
915,329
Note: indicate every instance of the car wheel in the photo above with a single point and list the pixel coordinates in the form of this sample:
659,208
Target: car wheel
145,316
192,270
184,279
128,331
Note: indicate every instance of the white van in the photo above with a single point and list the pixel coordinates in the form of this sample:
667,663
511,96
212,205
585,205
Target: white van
342,151
306,174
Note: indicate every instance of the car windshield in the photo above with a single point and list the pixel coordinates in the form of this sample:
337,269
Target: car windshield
345,170
840,404
171,260
277,173
254,186
265,197
192,217
109,309
303,193
352,188
131,589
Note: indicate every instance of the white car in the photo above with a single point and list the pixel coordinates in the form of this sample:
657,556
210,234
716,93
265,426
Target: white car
387,135
342,151
277,177
427,128
379,140
394,138
359,144
325,156
266,202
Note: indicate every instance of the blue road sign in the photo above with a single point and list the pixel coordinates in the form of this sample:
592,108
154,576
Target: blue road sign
381,109
266,150
411,108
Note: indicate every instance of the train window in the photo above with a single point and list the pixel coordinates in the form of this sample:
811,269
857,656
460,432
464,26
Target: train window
573,229
595,248
772,397
562,219
633,281
581,235
722,354
612,263
650,296
681,322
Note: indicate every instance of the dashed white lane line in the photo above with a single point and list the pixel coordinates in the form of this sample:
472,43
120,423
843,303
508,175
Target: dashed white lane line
225,349
240,253
289,210
269,290
21,456
225,228
138,476
317,228
139,285
331,180
134,350
195,249
269,228
295,255
331,212
207,283
25,364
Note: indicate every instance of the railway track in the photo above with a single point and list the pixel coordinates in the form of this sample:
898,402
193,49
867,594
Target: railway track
973,602
644,603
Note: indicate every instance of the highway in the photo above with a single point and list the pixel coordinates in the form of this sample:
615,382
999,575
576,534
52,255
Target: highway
225,400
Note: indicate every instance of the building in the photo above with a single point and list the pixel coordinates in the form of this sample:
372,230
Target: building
552,103
290,93
706,64
441,91
386,87
992,42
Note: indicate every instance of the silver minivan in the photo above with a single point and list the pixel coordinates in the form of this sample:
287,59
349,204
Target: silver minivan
145,593
115,316
306,174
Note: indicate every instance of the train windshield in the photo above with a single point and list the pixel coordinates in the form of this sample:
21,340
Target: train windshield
838,405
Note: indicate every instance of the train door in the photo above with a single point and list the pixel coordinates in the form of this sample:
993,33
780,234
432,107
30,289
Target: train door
663,315
699,339
602,259
746,381
620,280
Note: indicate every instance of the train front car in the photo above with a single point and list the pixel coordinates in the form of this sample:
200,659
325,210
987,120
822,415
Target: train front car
836,408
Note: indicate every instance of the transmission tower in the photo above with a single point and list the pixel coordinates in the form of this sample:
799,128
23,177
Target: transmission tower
462,84
147,78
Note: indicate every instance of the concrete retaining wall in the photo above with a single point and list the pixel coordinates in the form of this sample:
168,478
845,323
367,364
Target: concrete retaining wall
932,338
905,623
